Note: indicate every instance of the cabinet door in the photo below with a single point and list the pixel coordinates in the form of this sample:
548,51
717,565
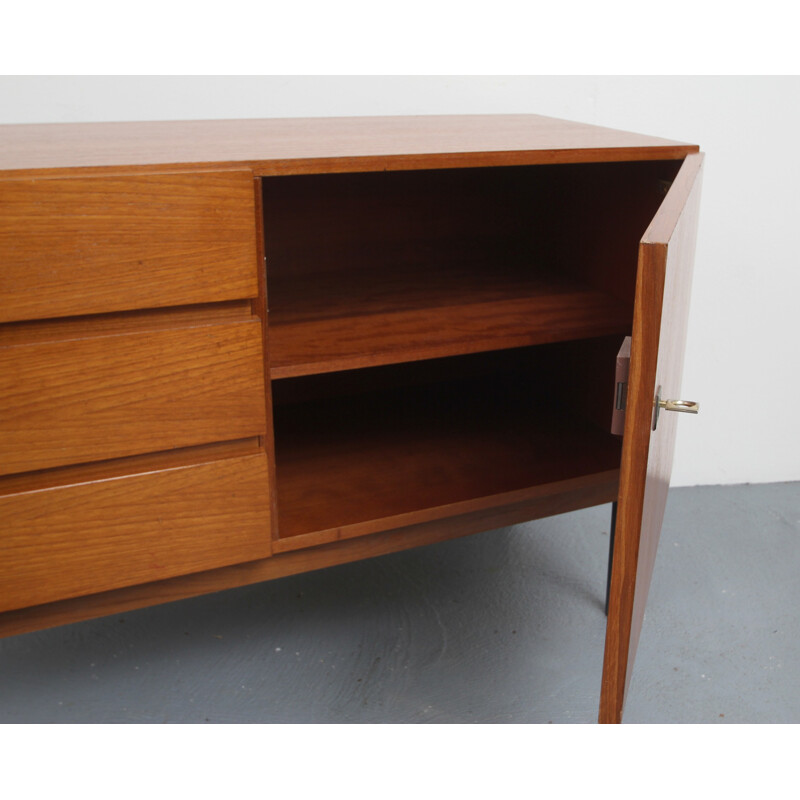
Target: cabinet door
666,254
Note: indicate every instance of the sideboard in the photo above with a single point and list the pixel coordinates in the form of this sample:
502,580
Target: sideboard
236,350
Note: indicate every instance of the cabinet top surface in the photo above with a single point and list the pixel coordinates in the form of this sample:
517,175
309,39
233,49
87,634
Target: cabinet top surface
332,144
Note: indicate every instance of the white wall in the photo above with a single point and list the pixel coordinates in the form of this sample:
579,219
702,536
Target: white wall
743,358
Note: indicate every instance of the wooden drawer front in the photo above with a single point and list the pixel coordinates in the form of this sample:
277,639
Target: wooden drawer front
69,402
84,538
74,246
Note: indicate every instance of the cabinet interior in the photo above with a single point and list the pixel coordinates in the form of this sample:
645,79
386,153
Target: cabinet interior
442,339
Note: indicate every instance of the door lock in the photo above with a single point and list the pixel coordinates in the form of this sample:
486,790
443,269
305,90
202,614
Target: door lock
684,406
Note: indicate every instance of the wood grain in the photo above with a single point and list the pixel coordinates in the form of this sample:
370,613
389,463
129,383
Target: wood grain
363,463
563,497
592,218
85,246
87,399
291,146
131,253
378,268
91,537
260,309
385,221
333,322
659,330
128,465
150,319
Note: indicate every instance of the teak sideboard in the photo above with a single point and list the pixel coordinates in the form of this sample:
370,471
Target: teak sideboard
236,350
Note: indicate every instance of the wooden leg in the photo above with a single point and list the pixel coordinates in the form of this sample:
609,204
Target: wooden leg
611,551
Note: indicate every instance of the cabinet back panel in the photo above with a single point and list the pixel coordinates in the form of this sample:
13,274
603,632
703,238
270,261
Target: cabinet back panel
595,216
388,442
583,220
316,223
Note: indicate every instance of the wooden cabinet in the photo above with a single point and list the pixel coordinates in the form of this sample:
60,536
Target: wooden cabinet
231,351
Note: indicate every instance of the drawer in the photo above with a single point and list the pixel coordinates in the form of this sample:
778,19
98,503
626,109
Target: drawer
66,541
72,246
88,399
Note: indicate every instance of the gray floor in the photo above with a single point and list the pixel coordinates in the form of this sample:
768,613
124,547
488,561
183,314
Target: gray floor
505,626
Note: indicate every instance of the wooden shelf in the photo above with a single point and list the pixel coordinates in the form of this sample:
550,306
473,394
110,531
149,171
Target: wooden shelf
353,465
341,320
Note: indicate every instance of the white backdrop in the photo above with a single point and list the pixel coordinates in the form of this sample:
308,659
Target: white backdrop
743,357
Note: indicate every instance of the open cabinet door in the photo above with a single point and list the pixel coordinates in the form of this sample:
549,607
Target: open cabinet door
666,255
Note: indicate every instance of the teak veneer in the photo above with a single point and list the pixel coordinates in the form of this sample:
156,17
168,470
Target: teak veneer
236,350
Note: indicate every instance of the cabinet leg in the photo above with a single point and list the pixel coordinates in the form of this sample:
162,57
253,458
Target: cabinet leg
611,550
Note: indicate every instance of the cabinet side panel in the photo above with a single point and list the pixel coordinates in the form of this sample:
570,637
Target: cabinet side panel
666,259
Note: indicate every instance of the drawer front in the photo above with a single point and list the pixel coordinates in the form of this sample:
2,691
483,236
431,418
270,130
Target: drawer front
103,397
79,539
71,246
